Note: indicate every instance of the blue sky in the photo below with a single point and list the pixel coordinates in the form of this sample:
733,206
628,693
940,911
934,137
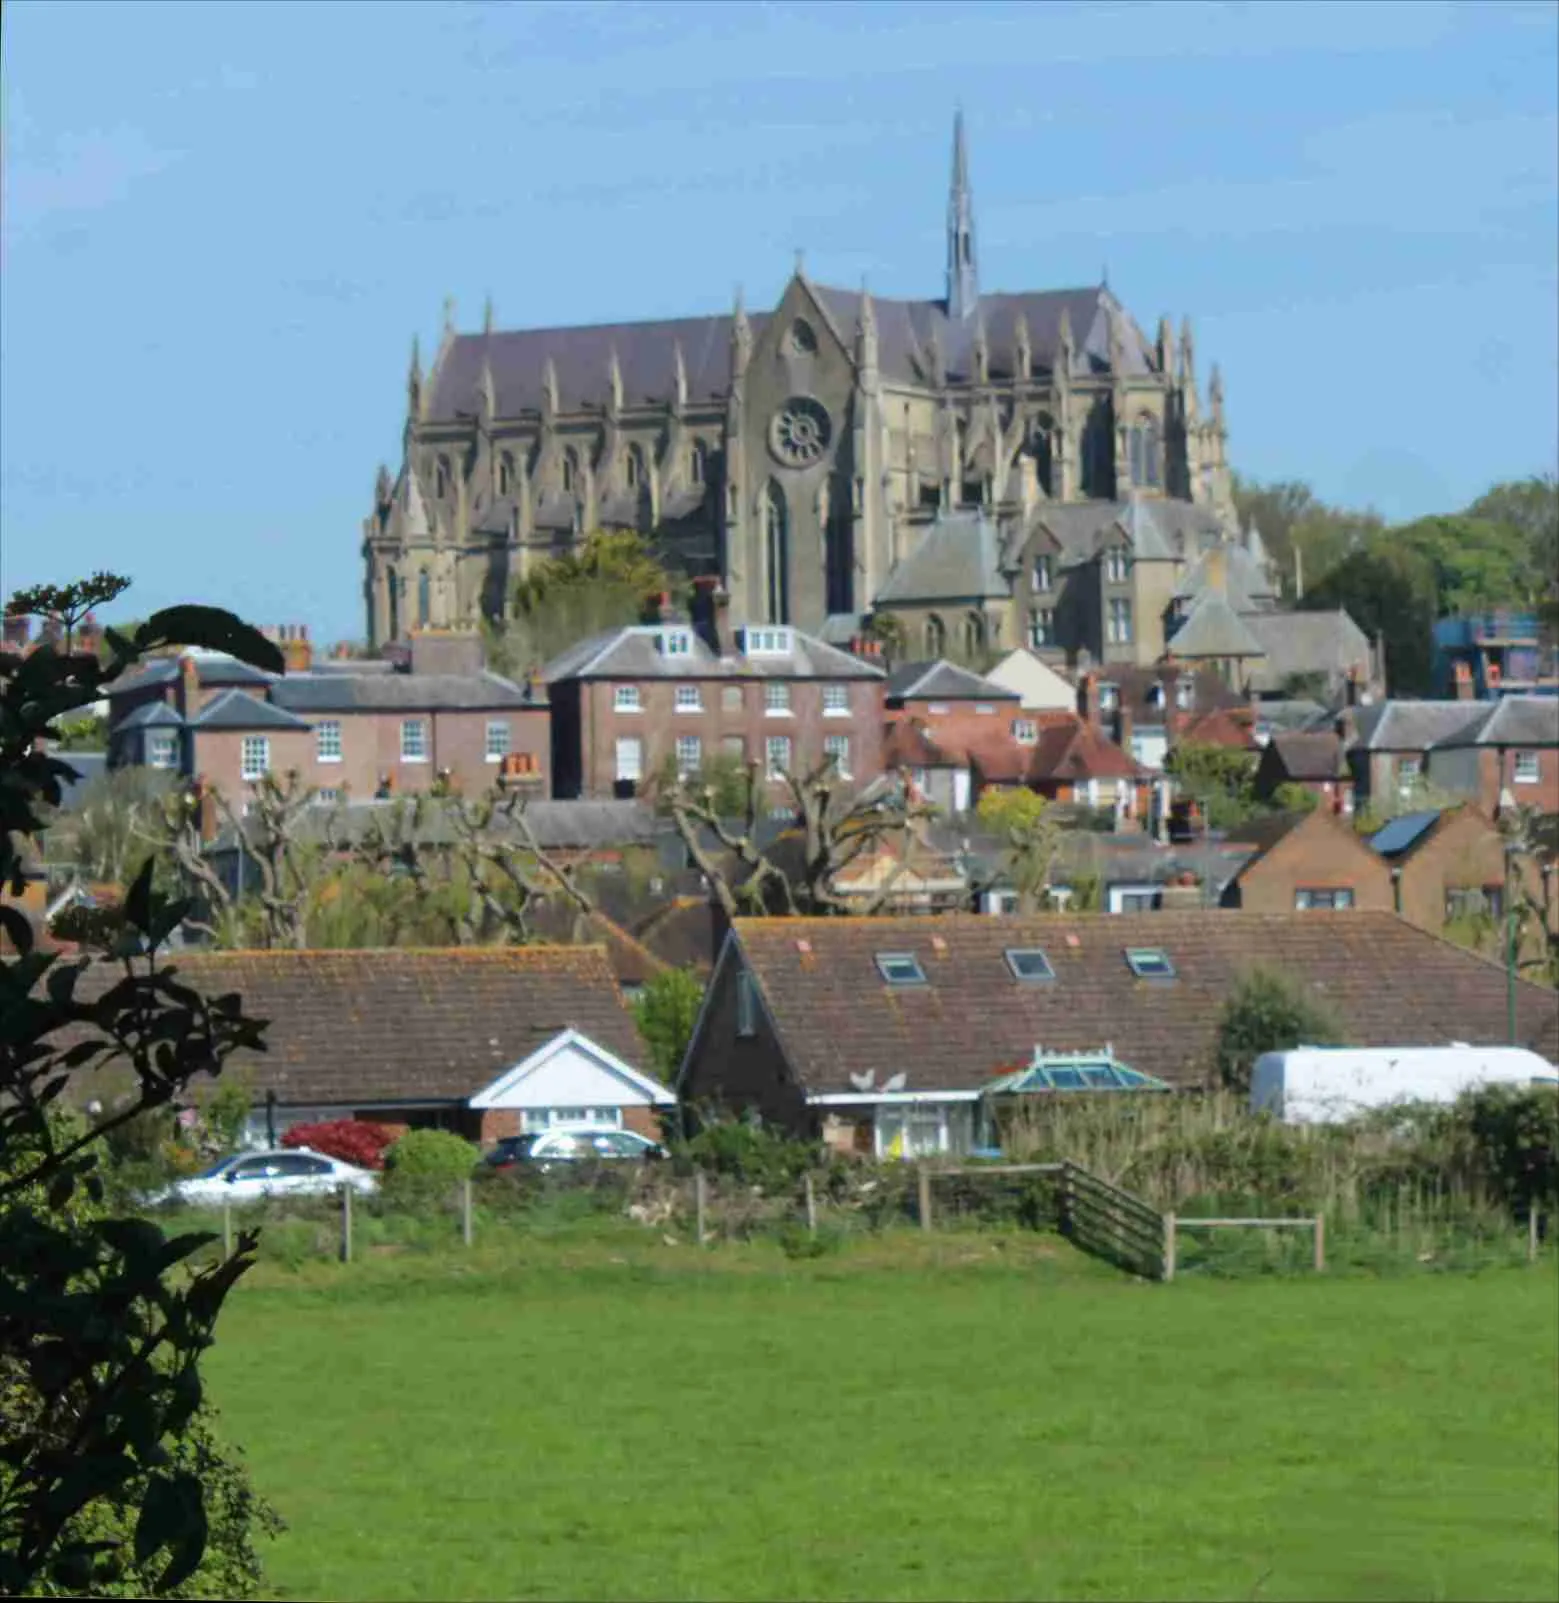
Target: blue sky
224,223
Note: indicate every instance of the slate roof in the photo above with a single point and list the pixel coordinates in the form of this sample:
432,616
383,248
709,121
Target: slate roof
211,668
88,765
631,653
1388,983
150,715
1293,717
958,559
1305,642
338,691
1413,725
942,681
1312,755
1213,629
1511,721
236,709
1230,569
402,1024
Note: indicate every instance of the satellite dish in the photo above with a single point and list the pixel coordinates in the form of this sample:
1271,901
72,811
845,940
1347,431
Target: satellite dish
894,1082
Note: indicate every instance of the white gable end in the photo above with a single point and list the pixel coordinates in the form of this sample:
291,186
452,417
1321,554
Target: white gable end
571,1071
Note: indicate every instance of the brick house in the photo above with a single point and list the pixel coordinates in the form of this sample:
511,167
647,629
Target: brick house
628,703
351,728
1450,866
465,1039
1304,862
882,1034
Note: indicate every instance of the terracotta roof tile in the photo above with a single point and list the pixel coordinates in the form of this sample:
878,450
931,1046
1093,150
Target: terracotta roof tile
1387,982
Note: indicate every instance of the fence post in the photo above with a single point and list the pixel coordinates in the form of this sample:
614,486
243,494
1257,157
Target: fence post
811,1197
1320,1242
1532,1233
465,1211
227,1231
1170,1243
925,1198
346,1224
700,1202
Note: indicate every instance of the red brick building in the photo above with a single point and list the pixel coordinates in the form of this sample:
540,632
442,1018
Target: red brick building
1306,862
351,728
629,704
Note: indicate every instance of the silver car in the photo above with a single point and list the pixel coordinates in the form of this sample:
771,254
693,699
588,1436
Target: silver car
286,1172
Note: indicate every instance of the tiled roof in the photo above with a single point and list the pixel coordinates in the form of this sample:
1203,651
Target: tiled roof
1387,982
1135,688
1314,755
211,668
402,692
631,653
1226,726
404,1025
1414,725
236,709
1227,568
1072,749
942,681
1304,643
1213,629
150,715
1293,717
1511,721
958,559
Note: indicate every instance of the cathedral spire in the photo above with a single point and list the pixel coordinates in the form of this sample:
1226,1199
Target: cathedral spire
1023,348
414,380
963,279
741,337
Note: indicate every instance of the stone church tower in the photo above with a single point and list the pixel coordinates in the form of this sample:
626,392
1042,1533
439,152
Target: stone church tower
834,455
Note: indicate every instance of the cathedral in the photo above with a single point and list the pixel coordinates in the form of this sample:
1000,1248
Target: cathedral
984,469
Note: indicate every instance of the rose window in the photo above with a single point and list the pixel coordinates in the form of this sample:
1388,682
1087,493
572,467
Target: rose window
800,432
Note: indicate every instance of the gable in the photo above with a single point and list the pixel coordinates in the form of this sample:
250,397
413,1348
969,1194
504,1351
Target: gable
571,1071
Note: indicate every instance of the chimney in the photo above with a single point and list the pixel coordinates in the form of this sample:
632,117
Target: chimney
447,651
712,614
1123,726
18,629
296,649
189,687
664,611
1465,689
1088,697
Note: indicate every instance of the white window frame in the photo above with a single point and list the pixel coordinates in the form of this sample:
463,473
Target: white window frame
1025,731
689,698
838,747
1185,692
776,699
162,749
774,642
635,744
780,743
1305,898
675,642
1115,565
1042,627
627,698
689,755
421,727
496,751
254,757
327,740
1043,577
1527,768
836,701
535,1121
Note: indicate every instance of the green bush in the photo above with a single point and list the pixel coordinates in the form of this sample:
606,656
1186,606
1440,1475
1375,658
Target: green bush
422,1159
1268,1012
1513,1132
749,1153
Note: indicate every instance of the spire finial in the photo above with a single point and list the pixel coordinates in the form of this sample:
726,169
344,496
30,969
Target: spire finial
449,314
487,316
963,284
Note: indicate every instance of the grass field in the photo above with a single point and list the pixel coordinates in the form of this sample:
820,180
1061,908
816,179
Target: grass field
913,1418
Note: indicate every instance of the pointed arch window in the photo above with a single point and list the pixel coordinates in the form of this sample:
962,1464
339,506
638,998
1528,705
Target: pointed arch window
936,637
697,462
974,635
1144,452
570,470
424,598
776,554
839,538
441,477
505,473
633,468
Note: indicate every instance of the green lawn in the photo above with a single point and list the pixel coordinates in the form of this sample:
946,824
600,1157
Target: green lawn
954,1417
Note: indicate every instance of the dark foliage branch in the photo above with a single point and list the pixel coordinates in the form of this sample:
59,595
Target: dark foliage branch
102,1320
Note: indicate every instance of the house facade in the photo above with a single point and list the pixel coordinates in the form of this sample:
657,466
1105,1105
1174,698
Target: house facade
1305,863
880,1034
633,704
351,729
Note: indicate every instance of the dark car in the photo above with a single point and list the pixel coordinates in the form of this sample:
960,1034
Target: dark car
544,1148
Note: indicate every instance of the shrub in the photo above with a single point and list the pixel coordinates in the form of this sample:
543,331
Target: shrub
1514,1135
421,1159
351,1140
1268,1012
750,1153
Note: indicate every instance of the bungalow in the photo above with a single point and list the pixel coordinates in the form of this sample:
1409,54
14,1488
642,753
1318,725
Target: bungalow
484,1041
881,1034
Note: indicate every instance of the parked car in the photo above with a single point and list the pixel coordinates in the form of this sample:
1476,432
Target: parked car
290,1172
570,1144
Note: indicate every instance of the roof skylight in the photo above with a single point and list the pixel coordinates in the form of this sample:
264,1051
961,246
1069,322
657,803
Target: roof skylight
1029,963
1149,963
900,968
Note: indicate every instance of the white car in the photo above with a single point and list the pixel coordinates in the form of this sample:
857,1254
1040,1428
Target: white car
286,1172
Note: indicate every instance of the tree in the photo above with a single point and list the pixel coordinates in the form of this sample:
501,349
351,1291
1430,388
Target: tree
1530,507
665,1012
1030,837
1221,780
723,776
99,1346
1476,563
799,873
605,582
1389,591
114,828
1292,519
1268,1012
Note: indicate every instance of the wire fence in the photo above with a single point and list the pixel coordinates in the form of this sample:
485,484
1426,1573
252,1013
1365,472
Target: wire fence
821,1211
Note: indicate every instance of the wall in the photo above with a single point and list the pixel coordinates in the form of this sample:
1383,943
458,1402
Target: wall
1319,853
1464,851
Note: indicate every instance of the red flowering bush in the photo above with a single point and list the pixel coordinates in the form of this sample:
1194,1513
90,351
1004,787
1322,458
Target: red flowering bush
351,1140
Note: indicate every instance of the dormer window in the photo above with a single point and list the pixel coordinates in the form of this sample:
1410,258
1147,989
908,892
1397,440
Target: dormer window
768,642
674,642
1115,565
1025,731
